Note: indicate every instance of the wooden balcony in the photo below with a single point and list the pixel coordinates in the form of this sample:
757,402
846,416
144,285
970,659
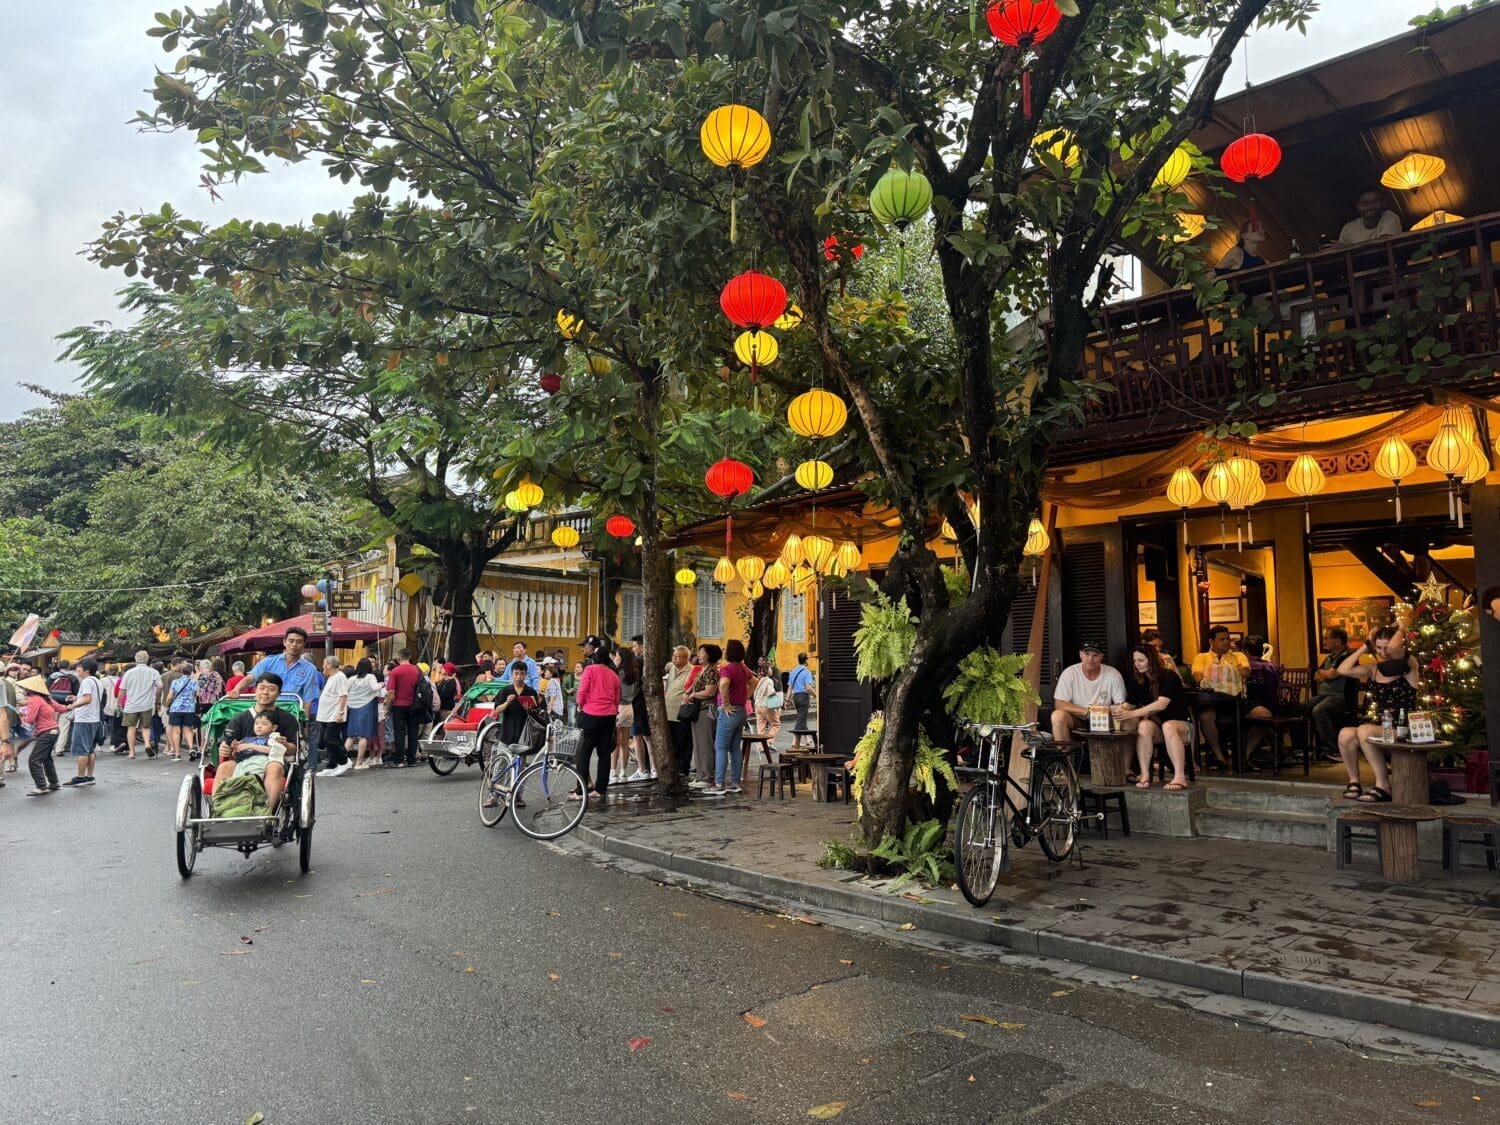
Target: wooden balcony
1175,370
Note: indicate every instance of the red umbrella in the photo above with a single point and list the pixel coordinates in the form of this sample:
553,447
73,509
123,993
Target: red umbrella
268,638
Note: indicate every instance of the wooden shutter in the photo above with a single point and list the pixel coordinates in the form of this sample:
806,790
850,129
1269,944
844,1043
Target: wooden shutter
844,701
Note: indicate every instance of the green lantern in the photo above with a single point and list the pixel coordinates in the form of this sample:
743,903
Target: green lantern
899,199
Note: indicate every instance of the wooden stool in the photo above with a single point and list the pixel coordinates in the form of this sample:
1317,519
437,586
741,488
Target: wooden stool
834,779
1352,826
1099,802
1470,832
1397,825
781,774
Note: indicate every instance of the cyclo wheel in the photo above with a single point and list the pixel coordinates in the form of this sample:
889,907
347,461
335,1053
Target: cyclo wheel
543,810
442,766
980,836
1054,801
189,805
494,799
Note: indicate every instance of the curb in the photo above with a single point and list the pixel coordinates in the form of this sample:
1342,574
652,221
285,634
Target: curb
1252,983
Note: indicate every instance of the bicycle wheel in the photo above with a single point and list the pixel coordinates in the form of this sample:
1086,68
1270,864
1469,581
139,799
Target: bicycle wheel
543,809
495,783
1054,798
979,839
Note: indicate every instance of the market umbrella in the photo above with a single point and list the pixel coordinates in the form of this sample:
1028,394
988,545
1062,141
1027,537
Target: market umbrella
268,638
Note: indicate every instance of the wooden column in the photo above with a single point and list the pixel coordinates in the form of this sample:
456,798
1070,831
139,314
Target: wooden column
1020,768
1484,501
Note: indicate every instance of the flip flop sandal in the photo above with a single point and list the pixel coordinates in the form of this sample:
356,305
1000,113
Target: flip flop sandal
1375,796
1352,791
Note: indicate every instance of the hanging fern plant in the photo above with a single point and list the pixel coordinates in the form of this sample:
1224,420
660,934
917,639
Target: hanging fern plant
989,687
885,637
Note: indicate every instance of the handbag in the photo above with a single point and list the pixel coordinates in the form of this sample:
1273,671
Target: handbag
774,701
534,737
689,711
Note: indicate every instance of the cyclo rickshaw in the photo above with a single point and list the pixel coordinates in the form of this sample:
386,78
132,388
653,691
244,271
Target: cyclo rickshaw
469,734
292,819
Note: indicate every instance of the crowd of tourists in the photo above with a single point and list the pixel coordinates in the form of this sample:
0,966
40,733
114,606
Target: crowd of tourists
368,714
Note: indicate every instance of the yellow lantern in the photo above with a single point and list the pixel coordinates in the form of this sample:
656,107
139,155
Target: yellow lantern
756,349
1395,462
597,365
529,494
1218,484
565,537
1462,420
1412,171
791,551
804,580
816,414
1179,167
789,319
1183,489
754,590
568,324
814,475
1436,219
1242,470
1449,452
751,567
513,502
724,571
848,555
686,576
1190,225
777,575
1037,539
735,136
1478,466
1058,143
1306,478
818,551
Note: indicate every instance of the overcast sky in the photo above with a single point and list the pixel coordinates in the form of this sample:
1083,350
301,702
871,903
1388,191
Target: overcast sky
76,73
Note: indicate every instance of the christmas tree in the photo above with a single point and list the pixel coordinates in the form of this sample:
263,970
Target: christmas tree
1445,641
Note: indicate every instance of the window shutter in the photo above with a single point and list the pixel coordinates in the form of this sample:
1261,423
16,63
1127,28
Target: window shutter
710,608
1085,599
794,617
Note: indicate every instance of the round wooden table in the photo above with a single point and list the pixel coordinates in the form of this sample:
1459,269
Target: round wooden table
1110,755
1409,769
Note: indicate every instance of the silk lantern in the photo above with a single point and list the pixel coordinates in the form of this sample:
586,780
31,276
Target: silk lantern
789,319
816,414
1218,487
818,550
621,527
754,348
1395,462
814,475
750,567
568,324
1178,167
753,300
551,382
1449,454
1414,170
729,479
565,536
1306,478
1058,143
849,555
791,551
1023,24
1250,157
899,199
529,494
687,576
776,576
597,366
724,571
735,137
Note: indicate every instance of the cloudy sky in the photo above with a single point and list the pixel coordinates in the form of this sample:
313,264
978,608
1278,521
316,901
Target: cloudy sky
76,73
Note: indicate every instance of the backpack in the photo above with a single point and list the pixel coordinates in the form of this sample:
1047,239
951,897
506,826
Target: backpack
423,698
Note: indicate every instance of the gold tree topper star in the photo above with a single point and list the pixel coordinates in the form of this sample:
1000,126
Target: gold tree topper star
1433,591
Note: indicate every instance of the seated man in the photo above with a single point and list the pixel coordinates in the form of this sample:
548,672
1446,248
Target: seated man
1220,674
1082,685
241,749
1333,702
1375,221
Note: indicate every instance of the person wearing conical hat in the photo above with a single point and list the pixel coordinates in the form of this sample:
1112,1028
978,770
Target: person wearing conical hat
39,712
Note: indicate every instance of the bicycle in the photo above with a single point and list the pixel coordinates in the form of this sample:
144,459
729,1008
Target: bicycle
989,820
536,794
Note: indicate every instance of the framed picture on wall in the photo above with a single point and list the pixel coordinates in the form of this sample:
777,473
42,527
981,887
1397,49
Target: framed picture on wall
1146,613
1225,611
1359,616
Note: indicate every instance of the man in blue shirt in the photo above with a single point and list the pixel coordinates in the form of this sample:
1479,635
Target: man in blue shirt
299,676
533,673
800,685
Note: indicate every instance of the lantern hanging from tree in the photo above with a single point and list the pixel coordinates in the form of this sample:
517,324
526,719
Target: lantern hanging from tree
551,382
1178,167
729,479
735,137
753,300
513,502
755,348
1023,24
899,199
568,324
1057,143
686,576
776,576
1190,225
814,475
597,366
1306,478
724,571
529,493
816,414
1250,157
1395,462
789,319
791,551
620,526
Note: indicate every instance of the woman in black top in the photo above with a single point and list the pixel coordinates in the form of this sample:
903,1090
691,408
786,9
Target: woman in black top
1393,686
1154,701
516,700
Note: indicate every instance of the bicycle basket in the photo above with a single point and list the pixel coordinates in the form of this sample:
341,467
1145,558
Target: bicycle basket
563,739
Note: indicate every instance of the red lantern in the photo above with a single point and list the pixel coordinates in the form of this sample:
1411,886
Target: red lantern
621,527
729,479
753,300
1252,157
1023,24
183,633
551,382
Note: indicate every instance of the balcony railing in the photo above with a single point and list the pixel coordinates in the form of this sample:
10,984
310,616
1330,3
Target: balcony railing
1175,369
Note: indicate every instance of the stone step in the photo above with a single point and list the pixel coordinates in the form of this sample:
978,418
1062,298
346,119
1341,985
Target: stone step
1270,798
1303,829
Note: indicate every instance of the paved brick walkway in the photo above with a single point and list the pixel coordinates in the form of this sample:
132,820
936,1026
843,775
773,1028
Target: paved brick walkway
1224,906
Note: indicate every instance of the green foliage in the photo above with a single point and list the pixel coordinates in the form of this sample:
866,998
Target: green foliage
1439,13
989,687
956,579
929,763
918,853
21,568
839,856
883,642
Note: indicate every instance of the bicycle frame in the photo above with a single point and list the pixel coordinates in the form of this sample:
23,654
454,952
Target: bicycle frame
998,769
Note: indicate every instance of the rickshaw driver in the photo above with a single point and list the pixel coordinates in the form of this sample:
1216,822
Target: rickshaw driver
267,763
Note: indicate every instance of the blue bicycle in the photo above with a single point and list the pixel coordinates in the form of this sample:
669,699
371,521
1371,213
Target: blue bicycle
545,796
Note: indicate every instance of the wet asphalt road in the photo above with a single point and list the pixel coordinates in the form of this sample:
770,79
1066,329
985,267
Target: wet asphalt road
431,970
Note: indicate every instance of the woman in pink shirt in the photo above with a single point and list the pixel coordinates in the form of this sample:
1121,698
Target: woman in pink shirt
736,684
39,714
598,707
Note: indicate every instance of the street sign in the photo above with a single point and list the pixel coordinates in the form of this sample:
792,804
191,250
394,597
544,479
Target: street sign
346,600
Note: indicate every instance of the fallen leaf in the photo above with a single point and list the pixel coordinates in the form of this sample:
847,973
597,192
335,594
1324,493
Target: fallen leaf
843,962
1062,992
679,914
366,980
866,1062
1428,1103
1012,1027
997,917
302,896
457,953
639,1041
670,1011
907,926
246,941
255,1119
1135,978
806,921
828,1111
553,976
237,953
944,968
468,968
616,956
753,1020
953,1031
467,1078
553,914
975,1017
736,1096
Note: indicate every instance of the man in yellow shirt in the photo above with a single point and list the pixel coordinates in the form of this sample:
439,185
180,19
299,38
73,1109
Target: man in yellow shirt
1220,673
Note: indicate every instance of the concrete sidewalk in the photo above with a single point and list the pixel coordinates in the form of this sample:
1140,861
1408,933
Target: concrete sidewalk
1273,924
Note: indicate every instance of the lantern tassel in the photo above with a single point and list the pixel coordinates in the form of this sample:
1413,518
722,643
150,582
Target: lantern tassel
1307,518
973,16
733,208
1026,94
901,261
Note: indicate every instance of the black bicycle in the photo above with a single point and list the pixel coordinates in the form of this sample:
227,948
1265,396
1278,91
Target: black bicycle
989,821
